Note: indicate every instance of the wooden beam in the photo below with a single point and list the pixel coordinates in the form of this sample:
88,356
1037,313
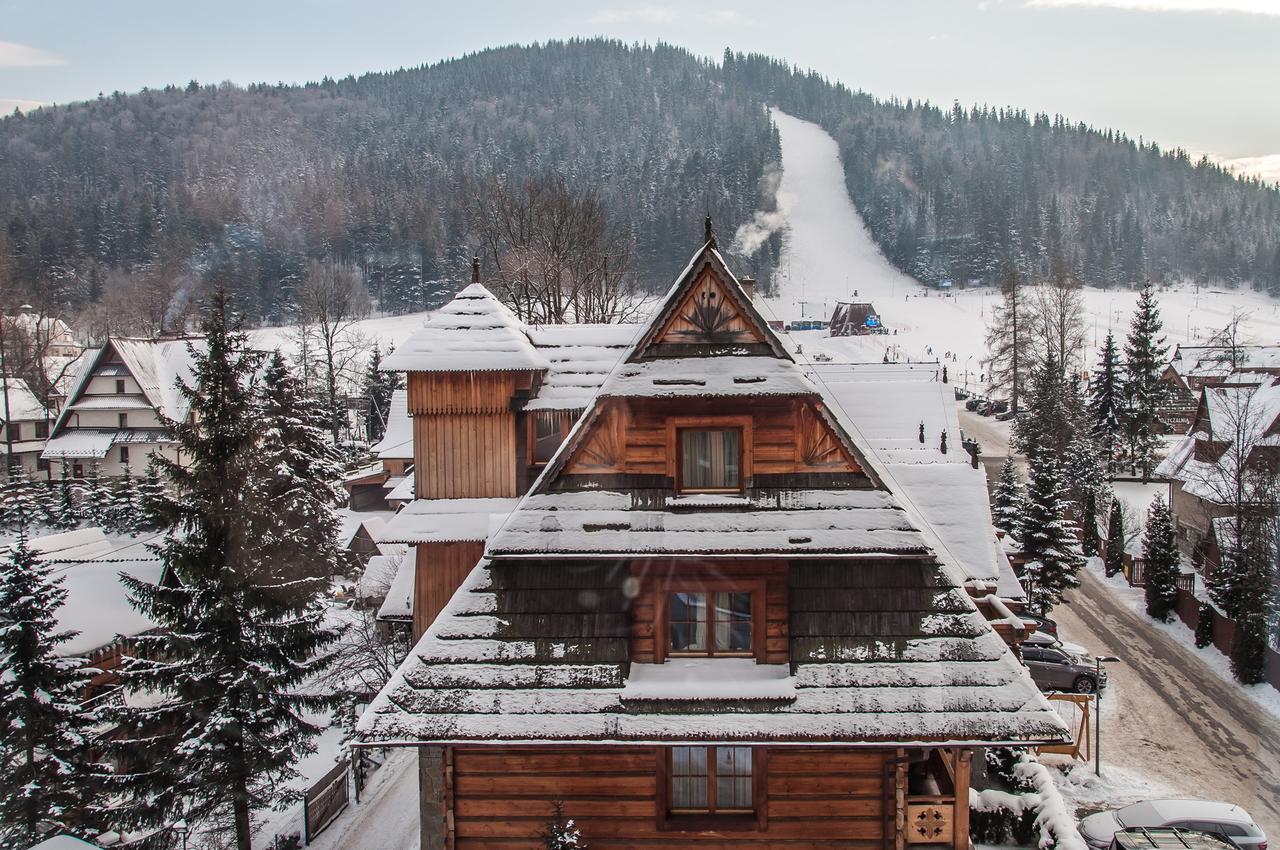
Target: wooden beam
960,822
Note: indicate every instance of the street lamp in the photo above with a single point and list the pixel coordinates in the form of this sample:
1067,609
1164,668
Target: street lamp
1097,714
180,827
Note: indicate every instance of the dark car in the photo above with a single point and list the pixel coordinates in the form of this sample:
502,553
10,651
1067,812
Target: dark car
1054,669
999,406
972,404
1043,624
1006,416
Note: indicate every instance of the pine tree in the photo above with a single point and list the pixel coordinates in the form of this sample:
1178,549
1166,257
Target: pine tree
41,775
1114,564
378,387
560,833
123,511
1254,571
1204,625
1145,355
230,656
151,501
301,488
20,502
1047,422
1048,538
1007,498
1106,402
94,499
1160,551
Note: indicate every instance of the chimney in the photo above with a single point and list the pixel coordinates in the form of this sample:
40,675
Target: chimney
475,269
749,284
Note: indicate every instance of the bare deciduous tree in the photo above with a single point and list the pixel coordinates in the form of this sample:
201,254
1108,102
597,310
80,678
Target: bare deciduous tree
331,299
1058,307
552,254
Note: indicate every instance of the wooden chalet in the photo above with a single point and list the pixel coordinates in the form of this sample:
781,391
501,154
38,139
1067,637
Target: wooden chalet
710,621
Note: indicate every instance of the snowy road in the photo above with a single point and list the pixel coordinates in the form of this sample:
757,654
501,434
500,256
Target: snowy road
388,817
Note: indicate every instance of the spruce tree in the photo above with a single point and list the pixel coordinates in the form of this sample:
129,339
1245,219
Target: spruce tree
1007,497
378,387
230,658
41,773
1047,422
1254,581
67,513
151,501
1114,563
124,504
1106,402
1145,355
1008,338
301,485
20,502
1048,538
1160,551
94,498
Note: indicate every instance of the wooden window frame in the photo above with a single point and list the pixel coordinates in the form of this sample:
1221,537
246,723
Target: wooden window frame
676,424
662,642
755,820
531,433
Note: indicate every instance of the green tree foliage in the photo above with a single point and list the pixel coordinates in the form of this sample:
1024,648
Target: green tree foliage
234,645
1204,626
1007,498
1047,426
41,751
1048,538
1114,564
1253,570
1145,356
378,387
1160,552
1106,402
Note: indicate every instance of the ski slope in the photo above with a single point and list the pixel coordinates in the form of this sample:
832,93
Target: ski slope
828,256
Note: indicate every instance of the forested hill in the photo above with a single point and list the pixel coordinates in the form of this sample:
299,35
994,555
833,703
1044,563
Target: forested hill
240,187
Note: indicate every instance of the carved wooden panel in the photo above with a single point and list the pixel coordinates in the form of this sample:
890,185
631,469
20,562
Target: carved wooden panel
817,446
707,314
604,448
929,823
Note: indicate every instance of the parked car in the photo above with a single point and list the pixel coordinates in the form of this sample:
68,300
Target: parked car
984,409
1044,625
972,404
1000,406
1214,818
1157,838
1054,669
1045,639
1006,416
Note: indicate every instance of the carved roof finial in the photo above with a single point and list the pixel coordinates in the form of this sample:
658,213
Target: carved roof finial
475,269
709,233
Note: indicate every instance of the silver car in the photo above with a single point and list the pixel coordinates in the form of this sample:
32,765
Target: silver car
1203,815
1054,669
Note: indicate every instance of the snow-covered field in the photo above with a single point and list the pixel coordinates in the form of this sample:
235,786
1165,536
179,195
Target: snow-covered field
386,331
828,255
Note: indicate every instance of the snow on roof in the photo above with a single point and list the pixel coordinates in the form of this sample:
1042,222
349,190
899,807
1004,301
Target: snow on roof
98,605
403,489
708,377
474,332
446,520
397,439
398,604
64,842
23,404
80,544
1216,361
943,675
580,358
1176,460
111,402
709,678
377,577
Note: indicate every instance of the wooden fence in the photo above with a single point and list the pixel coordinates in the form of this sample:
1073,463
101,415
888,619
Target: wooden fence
325,800
1224,629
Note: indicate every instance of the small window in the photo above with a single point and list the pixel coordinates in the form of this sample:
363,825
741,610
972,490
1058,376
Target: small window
42,465
549,428
124,454
15,431
77,470
710,623
711,460
122,419
711,780
42,430
119,386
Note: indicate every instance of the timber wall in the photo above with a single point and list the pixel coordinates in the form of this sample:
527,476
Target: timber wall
438,570
815,797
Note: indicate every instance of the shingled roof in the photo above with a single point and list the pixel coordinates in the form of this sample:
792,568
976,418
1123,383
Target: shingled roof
885,644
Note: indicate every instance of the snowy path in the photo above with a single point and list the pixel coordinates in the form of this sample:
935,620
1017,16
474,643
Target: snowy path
387,819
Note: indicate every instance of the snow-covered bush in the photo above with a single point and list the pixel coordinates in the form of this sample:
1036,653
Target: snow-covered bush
1204,625
1038,813
561,833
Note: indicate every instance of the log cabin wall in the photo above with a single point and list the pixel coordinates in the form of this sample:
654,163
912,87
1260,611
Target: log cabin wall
654,576
820,797
439,569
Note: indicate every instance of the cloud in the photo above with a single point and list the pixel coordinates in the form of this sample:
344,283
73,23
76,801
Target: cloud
8,104
1267,166
1253,7
656,14
14,55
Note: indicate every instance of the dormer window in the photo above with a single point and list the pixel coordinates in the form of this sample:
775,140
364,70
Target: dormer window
710,460
710,623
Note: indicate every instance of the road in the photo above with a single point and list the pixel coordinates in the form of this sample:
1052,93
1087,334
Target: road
388,817
1172,719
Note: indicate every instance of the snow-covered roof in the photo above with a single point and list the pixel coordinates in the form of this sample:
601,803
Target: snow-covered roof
397,439
64,842
475,332
580,358
372,525
98,605
377,577
111,402
446,520
77,545
707,377
23,404
402,491
398,604
931,670
95,443
1219,361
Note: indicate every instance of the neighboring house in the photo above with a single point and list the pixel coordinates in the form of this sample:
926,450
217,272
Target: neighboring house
855,318
25,427
1194,367
371,487
715,617
52,334
1135,498
1236,424
114,415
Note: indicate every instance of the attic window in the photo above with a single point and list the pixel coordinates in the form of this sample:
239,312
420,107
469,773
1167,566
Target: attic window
710,460
550,427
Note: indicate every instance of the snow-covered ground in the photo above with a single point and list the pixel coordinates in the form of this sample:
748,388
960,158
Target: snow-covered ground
386,331
828,256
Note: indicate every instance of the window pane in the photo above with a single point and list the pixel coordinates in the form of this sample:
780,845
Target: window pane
688,622
709,460
733,778
546,435
733,622
689,778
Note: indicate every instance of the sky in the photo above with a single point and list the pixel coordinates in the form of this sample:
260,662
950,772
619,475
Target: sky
1200,74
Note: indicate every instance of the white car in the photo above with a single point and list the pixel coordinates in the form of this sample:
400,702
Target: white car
1203,815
